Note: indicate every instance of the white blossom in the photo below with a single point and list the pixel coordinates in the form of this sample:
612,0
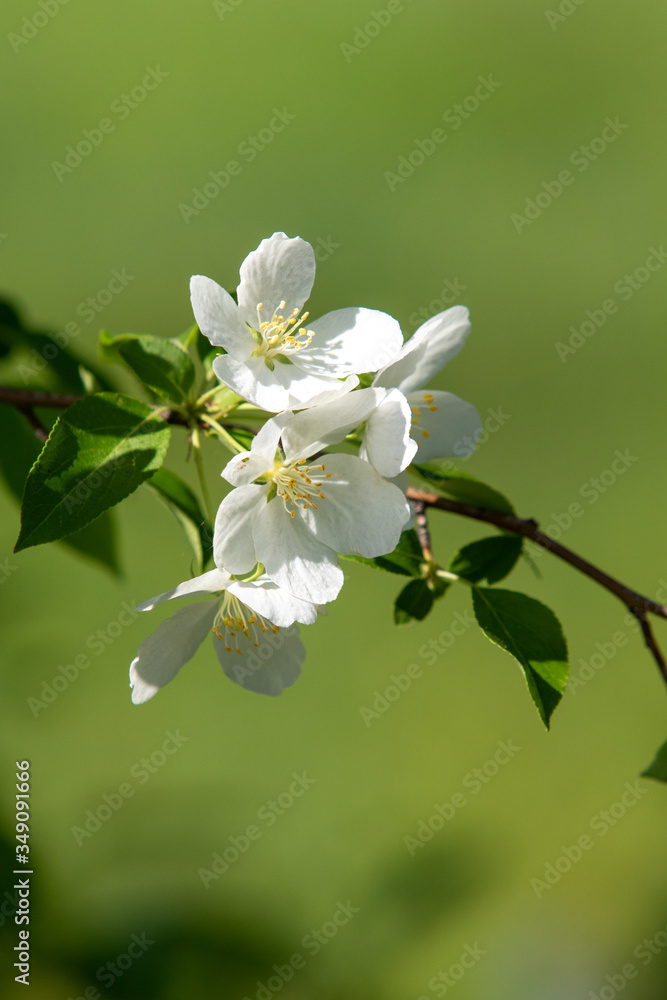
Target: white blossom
293,513
443,425
275,356
253,631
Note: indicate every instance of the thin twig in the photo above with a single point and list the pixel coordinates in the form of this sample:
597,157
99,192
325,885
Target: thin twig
423,533
650,641
26,399
40,430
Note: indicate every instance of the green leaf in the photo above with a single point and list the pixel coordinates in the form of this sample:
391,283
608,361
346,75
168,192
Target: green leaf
184,505
20,449
658,769
532,634
461,486
489,559
406,559
413,603
162,365
194,338
98,452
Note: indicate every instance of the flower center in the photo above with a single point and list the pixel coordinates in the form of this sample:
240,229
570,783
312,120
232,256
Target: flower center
280,335
235,621
297,483
418,408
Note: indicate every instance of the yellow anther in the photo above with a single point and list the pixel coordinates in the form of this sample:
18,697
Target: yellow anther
425,434
433,408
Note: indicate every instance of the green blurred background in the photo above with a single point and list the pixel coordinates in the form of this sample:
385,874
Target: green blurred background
323,177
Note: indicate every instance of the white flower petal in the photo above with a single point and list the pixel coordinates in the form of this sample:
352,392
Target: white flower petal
293,557
351,340
387,442
208,583
173,643
338,387
429,349
233,545
252,380
273,603
244,468
218,318
361,512
268,668
280,269
315,428
304,389
452,426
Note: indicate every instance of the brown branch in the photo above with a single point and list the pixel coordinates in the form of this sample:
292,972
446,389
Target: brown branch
26,399
639,605
650,641
423,533
40,430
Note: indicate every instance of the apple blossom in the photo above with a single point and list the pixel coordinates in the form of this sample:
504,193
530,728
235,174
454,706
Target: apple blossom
252,623
294,514
272,358
442,423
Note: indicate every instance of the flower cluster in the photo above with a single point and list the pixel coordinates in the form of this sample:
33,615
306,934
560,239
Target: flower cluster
296,502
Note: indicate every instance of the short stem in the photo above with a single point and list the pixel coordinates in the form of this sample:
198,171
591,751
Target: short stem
444,574
199,463
223,434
